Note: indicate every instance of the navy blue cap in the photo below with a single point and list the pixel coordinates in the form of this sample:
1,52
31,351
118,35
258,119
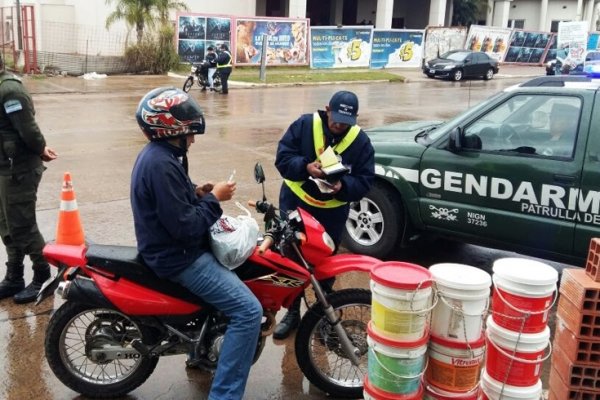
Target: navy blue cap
344,107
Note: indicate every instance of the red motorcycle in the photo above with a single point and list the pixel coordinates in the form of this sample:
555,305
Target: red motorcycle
119,317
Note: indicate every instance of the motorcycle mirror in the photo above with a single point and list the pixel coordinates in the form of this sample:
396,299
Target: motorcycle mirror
259,174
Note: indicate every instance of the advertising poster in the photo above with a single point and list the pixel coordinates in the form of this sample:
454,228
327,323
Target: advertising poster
528,47
333,47
439,40
397,48
197,32
593,41
286,41
571,45
551,53
489,39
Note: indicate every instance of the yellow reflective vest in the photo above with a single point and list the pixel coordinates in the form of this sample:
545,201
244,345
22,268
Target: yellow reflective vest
319,141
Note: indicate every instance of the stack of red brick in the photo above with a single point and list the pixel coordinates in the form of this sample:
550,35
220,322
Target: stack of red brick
575,373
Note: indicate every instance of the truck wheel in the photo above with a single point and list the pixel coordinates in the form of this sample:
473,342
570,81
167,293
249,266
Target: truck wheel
375,223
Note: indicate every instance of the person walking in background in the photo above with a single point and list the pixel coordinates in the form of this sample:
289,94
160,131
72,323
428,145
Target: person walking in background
224,65
22,153
172,218
298,162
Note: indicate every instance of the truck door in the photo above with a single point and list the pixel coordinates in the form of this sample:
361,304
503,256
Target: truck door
512,182
588,225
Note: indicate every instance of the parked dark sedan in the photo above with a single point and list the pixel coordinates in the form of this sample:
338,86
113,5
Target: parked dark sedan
457,64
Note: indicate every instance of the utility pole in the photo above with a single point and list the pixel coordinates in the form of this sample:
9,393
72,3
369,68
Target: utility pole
19,30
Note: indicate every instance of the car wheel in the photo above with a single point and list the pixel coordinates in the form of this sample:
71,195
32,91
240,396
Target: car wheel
489,74
456,75
376,223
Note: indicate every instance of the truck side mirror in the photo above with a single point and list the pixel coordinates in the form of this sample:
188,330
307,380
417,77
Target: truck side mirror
455,140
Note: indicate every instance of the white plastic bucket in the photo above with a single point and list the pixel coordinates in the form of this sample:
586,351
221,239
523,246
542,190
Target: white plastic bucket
515,358
463,293
394,366
524,293
454,366
401,300
491,389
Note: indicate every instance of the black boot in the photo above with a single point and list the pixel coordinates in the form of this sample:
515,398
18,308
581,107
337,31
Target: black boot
13,283
289,322
27,295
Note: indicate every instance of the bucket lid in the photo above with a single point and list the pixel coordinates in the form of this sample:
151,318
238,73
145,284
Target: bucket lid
460,276
523,270
508,390
401,275
454,344
384,395
387,341
514,336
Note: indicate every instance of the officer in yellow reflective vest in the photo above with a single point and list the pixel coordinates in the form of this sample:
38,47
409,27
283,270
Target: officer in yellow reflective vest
298,160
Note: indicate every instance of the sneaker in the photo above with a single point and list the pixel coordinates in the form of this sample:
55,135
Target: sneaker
289,322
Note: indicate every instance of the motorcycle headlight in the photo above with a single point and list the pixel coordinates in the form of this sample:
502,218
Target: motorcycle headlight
448,67
193,69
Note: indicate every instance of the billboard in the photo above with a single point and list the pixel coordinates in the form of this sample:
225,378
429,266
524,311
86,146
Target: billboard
397,48
528,47
286,41
439,40
333,47
197,32
491,40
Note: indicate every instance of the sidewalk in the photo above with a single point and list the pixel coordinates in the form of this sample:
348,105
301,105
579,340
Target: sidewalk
506,71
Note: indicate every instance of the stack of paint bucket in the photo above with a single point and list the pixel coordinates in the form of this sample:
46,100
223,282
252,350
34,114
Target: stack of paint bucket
517,332
457,341
398,331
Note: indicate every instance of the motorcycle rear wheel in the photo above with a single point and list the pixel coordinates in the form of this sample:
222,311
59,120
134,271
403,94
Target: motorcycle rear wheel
318,349
74,330
189,82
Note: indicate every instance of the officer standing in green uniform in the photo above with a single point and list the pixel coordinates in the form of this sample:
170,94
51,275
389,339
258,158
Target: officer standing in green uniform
22,152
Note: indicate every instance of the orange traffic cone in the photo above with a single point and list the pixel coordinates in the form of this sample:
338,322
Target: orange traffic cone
68,228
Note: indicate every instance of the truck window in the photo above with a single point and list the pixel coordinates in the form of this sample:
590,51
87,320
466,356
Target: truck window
537,125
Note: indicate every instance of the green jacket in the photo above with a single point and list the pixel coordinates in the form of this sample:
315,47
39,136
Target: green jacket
21,141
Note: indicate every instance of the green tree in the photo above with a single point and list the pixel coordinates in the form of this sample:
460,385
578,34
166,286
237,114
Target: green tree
467,12
140,14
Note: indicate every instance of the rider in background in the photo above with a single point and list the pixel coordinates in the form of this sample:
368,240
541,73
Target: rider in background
210,63
172,217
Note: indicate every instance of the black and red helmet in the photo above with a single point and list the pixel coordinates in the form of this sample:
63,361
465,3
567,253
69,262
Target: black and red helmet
167,112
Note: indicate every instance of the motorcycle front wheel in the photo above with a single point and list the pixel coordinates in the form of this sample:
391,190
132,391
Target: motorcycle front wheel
318,349
189,82
75,331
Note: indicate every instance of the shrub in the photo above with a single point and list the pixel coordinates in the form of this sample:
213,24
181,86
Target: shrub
155,55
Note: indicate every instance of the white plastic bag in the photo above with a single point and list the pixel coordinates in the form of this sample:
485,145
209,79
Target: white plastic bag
233,239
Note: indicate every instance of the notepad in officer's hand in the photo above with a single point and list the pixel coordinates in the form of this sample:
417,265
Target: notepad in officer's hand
331,165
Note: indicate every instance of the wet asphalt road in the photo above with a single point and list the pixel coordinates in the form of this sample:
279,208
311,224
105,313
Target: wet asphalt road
91,125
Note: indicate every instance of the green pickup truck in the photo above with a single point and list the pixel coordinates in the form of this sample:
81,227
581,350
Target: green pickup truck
519,172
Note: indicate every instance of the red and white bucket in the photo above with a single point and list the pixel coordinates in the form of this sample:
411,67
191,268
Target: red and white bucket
454,366
370,392
524,292
463,292
491,389
432,393
515,358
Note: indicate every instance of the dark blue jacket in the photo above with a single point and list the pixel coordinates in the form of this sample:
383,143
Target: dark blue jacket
296,149
171,222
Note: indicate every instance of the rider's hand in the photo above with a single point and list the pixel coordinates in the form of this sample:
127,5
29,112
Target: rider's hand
336,187
48,154
224,191
314,169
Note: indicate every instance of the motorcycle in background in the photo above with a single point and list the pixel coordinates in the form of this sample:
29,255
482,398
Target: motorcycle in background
119,318
200,75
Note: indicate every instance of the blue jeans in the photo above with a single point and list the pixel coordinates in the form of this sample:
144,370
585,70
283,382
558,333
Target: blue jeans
219,286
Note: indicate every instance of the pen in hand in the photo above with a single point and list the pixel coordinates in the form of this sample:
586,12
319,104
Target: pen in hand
231,176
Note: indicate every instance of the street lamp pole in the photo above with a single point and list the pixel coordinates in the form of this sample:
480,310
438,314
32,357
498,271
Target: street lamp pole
19,30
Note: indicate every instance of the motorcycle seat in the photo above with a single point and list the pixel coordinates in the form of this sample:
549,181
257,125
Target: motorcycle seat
125,261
